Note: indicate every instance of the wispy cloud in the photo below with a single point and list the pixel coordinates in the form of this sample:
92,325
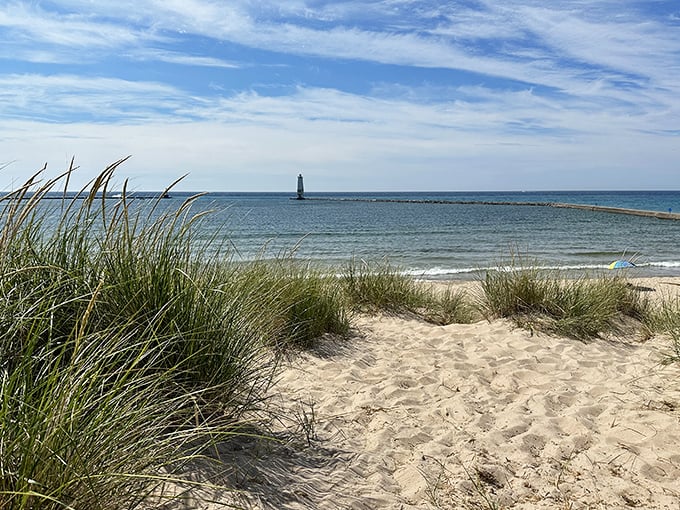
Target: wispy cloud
523,40
47,36
173,57
346,82
466,108
70,98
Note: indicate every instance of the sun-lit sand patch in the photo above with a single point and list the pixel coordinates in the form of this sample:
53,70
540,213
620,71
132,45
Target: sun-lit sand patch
484,415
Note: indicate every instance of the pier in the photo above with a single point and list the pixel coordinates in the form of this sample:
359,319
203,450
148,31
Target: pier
558,205
621,210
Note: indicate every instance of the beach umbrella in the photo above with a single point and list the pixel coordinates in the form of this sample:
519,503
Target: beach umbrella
620,264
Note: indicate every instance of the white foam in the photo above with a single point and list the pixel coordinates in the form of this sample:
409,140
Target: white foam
666,263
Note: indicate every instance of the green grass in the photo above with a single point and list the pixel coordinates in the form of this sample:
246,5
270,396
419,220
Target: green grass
125,350
379,286
300,301
85,426
664,319
582,308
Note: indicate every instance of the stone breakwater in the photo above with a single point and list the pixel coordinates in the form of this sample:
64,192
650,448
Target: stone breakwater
598,208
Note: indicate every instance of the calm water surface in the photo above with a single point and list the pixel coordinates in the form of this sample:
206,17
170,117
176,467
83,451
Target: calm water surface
447,240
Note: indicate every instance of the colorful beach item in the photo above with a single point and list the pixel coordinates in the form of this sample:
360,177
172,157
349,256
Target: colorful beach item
620,264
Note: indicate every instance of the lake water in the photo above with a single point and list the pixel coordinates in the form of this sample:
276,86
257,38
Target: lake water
447,241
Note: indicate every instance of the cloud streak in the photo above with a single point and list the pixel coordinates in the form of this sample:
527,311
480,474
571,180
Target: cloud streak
373,84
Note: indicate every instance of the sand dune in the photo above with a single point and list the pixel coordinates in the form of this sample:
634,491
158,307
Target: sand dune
410,415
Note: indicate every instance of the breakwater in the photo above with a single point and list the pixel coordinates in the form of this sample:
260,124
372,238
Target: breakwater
559,205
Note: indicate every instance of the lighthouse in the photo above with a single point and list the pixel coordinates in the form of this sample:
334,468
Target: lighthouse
300,188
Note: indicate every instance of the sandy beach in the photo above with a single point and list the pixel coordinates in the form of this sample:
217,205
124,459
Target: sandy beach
409,415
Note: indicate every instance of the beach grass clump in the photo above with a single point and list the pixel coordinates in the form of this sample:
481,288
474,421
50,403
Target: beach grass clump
138,267
517,291
664,318
124,350
582,308
84,425
302,302
448,306
379,286
214,330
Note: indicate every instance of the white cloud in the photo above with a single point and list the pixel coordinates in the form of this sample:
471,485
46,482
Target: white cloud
528,41
35,25
73,97
172,57
236,157
560,86
635,48
355,141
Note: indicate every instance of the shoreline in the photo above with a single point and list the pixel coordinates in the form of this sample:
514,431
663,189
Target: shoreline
567,272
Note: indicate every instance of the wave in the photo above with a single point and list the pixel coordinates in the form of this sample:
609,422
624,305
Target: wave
443,272
440,271
668,264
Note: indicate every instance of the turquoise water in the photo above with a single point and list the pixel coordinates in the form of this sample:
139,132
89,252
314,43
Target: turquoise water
447,241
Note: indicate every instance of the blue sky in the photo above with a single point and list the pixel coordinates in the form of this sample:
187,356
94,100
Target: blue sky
242,95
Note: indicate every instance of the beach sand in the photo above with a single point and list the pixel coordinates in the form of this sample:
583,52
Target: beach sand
409,415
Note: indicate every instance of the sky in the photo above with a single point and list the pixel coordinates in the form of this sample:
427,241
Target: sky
242,95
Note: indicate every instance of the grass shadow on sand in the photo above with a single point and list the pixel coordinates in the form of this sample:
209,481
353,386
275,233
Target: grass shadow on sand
260,469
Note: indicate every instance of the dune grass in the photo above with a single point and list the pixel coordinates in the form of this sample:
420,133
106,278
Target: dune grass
581,308
302,302
379,286
664,319
125,350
